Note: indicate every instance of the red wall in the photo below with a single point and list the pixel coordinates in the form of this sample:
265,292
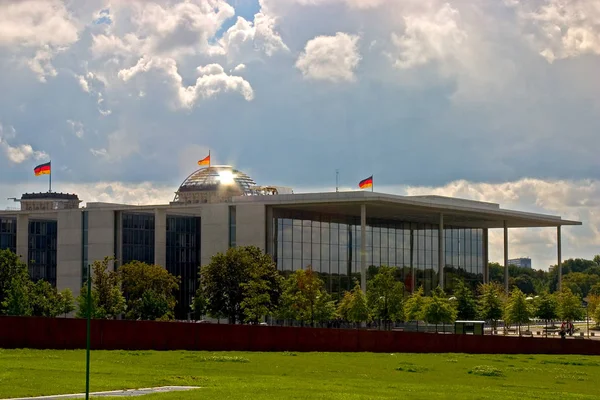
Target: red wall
60,333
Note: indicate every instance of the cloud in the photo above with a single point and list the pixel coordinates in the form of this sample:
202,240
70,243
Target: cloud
561,29
212,80
246,36
76,127
332,58
19,153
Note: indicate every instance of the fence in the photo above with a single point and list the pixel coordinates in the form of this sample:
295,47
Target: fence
62,333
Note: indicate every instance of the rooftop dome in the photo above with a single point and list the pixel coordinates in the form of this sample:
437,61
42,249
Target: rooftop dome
214,184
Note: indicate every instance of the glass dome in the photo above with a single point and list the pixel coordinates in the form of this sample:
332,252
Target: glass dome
214,183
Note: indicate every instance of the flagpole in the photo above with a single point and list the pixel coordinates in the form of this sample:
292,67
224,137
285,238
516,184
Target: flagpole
372,184
50,179
209,161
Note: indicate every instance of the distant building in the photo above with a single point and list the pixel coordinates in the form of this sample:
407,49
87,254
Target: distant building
431,240
523,262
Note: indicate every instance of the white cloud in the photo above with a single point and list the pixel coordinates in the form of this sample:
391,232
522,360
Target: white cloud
19,153
83,83
42,25
429,37
246,36
561,29
76,127
332,58
212,81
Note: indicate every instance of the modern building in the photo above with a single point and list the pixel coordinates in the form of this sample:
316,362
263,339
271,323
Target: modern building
523,262
342,235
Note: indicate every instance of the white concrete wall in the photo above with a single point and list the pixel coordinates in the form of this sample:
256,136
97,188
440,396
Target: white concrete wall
69,251
214,235
251,225
101,235
23,237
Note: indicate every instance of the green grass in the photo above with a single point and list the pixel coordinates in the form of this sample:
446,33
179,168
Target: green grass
242,375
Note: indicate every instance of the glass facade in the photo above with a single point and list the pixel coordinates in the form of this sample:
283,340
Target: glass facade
331,245
232,226
8,234
183,258
42,250
138,238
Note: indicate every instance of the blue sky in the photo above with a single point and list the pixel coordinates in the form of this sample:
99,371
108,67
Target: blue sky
493,100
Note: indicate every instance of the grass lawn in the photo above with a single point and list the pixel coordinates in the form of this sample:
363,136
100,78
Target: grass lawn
303,375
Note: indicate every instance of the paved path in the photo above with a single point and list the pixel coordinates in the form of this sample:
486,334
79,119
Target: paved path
113,393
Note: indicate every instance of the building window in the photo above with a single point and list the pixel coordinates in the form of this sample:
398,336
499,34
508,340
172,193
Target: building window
8,234
42,251
138,238
232,229
183,258
331,245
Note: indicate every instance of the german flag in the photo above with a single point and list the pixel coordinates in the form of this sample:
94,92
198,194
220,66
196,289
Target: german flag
42,169
366,183
205,160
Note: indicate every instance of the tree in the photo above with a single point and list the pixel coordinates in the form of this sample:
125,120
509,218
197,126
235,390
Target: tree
17,297
305,299
413,307
545,307
385,296
358,310
66,302
257,291
199,305
222,281
517,309
596,316
11,267
438,309
525,284
44,300
466,306
343,309
107,298
569,306
490,303
149,290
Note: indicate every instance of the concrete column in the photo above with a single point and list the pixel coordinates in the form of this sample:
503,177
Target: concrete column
486,259
160,237
559,250
441,252
23,237
363,248
271,232
506,257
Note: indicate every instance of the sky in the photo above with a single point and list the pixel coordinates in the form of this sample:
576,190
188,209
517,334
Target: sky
493,100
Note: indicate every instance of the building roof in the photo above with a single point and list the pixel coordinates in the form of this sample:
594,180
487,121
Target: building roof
425,209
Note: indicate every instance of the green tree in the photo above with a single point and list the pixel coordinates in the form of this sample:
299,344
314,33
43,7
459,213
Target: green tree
596,316
107,298
580,283
149,290
466,307
545,307
569,306
222,281
305,299
66,302
11,267
385,296
258,301
490,303
358,310
438,309
343,308
517,310
414,306
199,305
17,297
45,301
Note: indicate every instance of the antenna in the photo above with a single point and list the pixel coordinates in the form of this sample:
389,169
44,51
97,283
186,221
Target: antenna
337,180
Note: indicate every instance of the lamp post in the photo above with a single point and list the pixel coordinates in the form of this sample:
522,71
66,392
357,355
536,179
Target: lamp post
587,317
